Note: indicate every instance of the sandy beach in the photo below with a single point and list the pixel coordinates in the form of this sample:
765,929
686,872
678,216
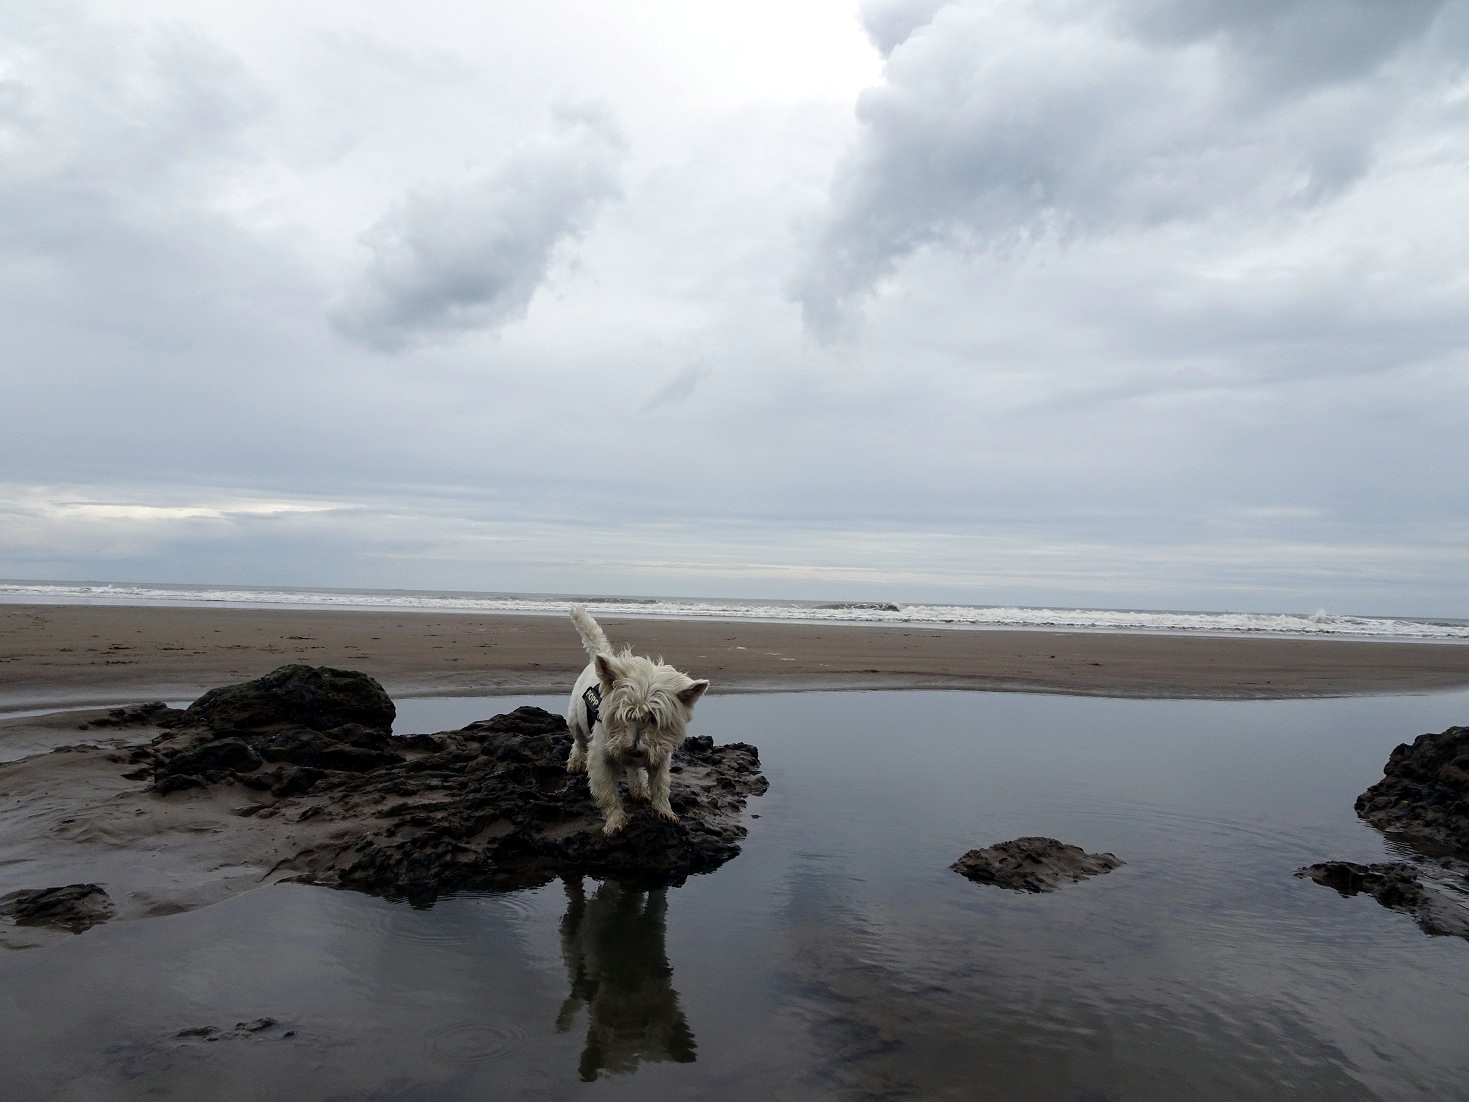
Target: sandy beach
61,655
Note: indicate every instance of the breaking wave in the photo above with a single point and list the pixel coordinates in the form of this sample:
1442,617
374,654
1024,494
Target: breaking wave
1319,623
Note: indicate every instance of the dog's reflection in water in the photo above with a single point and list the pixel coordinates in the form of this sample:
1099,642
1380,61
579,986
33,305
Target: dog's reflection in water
613,946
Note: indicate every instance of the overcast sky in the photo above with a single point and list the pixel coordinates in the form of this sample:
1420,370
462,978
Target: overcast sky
1122,303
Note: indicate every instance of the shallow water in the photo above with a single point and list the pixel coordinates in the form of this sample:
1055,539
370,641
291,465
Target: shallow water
838,957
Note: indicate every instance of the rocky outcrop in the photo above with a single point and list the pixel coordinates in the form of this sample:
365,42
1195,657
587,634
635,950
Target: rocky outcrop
1033,864
1423,799
1424,791
493,807
307,721
1398,886
316,698
488,806
75,907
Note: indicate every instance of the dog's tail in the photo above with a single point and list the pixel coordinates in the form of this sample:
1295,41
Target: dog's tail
591,632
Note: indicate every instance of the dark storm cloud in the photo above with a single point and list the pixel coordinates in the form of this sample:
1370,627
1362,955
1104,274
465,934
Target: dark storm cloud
1001,122
471,255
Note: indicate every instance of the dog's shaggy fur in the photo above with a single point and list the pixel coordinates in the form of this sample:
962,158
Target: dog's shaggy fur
643,717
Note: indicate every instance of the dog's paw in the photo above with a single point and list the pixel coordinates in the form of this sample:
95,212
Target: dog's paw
576,763
666,812
614,823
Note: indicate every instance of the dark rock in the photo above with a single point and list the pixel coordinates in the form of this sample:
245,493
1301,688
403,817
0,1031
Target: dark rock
178,782
75,907
296,780
364,738
486,807
354,759
493,807
315,697
1398,886
242,1029
1033,864
221,755
156,714
1424,792
1422,799
366,750
297,747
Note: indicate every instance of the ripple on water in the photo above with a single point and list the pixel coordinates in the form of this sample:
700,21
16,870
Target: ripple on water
476,1042
452,920
521,905
1172,823
403,923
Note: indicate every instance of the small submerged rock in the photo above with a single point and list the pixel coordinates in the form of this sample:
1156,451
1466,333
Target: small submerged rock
74,907
1400,887
1033,864
487,806
211,1033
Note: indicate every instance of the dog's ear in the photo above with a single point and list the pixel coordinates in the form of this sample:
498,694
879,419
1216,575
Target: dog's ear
607,671
688,696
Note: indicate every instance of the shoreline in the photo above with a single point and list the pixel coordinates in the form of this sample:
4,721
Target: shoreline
59,656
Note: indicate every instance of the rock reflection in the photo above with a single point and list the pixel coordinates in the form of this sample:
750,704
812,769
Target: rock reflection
616,961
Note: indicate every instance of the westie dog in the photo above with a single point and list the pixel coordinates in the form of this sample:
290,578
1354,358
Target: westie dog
627,715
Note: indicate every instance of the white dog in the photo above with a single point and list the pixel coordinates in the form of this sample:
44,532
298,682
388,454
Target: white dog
627,716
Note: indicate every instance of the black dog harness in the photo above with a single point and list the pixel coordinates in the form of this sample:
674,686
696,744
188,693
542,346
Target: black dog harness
592,698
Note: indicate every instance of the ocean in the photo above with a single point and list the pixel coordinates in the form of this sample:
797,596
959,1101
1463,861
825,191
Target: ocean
1302,624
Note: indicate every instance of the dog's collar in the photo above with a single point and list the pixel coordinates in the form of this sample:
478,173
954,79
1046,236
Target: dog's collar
592,698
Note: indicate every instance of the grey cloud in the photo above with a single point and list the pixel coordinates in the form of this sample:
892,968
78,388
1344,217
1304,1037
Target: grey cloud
117,262
677,388
106,132
1290,44
1004,122
148,326
889,23
1170,319
471,255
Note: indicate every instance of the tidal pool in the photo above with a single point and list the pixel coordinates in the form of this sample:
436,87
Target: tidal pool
837,957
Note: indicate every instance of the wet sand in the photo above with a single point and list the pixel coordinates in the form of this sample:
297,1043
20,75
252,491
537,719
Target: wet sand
60,655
